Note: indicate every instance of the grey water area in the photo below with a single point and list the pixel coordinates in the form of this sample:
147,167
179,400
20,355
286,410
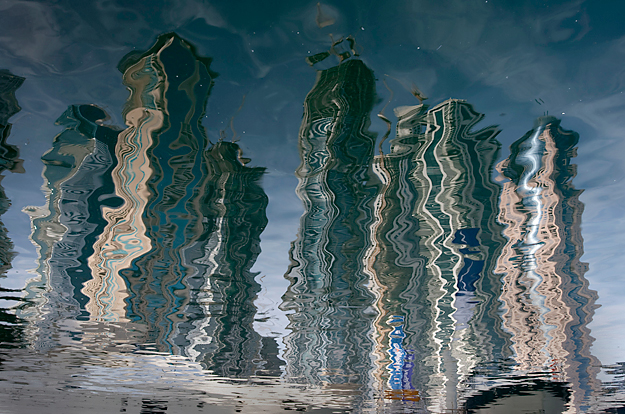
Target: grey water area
412,206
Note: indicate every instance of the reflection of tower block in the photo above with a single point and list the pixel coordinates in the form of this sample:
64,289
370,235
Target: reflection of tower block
396,266
159,177
546,300
458,203
11,328
436,230
77,185
220,332
8,107
451,167
8,156
329,341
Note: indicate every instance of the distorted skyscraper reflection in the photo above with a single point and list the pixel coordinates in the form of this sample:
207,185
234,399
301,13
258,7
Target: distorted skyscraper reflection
77,184
331,317
11,328
435,239
9,156
158,177
547,304
219,330
176,256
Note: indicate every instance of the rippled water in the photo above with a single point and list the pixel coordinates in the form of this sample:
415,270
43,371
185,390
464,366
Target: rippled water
394,207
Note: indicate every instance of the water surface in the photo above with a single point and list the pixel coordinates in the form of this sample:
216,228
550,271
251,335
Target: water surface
334,207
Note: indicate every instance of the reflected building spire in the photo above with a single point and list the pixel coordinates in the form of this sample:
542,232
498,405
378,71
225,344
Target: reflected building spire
547,304
331,320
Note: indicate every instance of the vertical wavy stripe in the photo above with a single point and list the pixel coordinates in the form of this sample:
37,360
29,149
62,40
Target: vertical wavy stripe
329,293
124,238
546,300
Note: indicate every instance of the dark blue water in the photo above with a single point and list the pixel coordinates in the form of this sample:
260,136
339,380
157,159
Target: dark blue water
408,206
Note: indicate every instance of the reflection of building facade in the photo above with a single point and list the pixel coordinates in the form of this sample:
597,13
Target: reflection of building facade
397,267
221,312
8,156
432,258
158,177
547,304
10,329
331,319
76,185
175,257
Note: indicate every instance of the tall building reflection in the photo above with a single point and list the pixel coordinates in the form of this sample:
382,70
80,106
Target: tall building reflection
10,329
9,156
175,257
397,267
77,184
432,260
547,304
158,177
219,332
328,298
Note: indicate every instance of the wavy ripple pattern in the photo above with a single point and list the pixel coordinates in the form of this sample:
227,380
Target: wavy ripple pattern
546,300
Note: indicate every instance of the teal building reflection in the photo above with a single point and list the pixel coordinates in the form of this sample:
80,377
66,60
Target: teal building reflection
219,331
138,269
328,300
77,184
432,260
9,156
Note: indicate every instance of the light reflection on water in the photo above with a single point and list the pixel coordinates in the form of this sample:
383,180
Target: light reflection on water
425,275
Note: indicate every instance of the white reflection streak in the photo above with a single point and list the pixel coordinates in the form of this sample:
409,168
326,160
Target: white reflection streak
199,335
531,244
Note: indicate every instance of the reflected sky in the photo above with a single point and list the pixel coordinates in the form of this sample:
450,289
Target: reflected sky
332,196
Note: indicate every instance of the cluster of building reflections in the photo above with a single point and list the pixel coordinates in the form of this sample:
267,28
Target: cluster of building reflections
414,278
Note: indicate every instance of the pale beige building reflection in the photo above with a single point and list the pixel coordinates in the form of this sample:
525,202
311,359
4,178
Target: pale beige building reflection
124,238
546,301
